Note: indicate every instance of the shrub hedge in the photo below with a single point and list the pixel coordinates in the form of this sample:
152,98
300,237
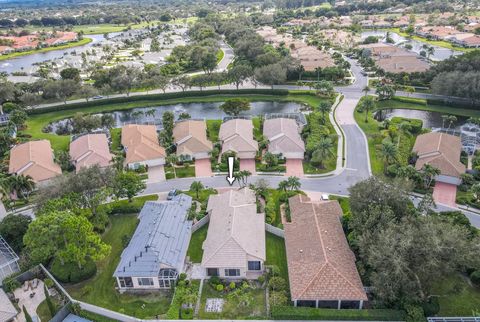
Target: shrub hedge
71,273
305,313
155,97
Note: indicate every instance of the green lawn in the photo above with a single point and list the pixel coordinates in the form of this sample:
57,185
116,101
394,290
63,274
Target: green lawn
213,127
195,251
257,131
82,42
276,254
232,309
330,165
100,290
43,311
457,297
116,135
181,172
220,55
343,201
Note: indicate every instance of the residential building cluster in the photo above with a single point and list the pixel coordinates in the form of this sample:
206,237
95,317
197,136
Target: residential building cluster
35,40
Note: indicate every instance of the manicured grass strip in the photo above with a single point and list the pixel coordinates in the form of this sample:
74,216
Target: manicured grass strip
276,254
195,251
181,172
116,139
82,42
456,297
220,55
213,128
305,313
100,290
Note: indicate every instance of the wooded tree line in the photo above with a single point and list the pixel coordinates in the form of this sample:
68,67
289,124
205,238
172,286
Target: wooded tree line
405,251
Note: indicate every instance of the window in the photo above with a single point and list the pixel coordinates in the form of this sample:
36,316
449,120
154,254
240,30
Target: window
125,281
145,281
165,283
232,272
254,266
212,271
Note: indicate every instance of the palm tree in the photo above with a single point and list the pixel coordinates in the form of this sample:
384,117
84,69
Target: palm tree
324,108
323,152
294,183
389,153
172,159
196,187
366,89
475,189
368,104
283,185
22,185
429,172
242,177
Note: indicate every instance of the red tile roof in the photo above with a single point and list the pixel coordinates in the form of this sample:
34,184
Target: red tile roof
321,265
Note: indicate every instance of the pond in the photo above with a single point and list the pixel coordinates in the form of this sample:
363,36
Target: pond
440,53
208,111
25,63
430,119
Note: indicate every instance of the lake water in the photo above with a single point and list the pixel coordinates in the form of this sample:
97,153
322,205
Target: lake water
430,119
208,111
440,53
24,63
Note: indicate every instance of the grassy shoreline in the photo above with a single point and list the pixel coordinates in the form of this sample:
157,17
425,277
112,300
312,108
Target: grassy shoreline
82,42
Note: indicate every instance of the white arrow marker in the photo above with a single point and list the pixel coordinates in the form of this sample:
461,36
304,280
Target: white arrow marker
230,177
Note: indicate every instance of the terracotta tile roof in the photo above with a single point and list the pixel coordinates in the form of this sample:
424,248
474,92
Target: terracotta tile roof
237,136
441,151
35,159
235,230
191,137
283,136
141,143
321,265
90,149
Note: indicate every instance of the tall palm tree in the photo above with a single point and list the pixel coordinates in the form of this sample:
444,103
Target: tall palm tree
429,173
323,152
172,159
324,108
368,104
196,187
389,153
294,183
22,185
283,185
366,89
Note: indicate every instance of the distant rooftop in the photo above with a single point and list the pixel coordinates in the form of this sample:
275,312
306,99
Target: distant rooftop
160,240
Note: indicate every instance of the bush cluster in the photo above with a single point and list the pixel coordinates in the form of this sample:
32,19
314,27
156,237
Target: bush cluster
71,273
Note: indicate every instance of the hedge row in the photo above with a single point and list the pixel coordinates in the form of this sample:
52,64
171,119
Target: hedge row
305,313
452,103
155,97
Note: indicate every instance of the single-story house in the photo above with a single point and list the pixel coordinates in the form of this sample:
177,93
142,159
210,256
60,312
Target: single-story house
8,312
237,136
441,151
284,138
235,243
156,253
90,149
141,146
8,260
321,266
34,159
191,139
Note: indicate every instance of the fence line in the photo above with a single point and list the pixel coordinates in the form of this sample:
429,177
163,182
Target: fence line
275,230
199,224
454,319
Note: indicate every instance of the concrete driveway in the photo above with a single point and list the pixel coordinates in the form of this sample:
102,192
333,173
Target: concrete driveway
203,168
156,174
248,164
294,168
445,194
